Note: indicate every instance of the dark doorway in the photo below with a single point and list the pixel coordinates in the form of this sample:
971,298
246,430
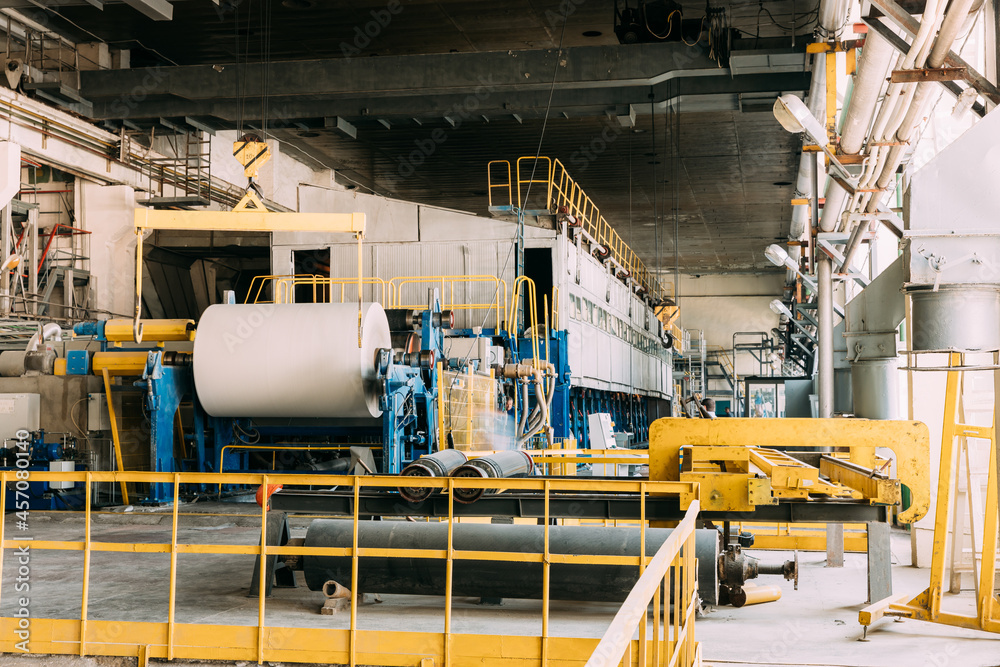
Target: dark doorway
538,267
314,264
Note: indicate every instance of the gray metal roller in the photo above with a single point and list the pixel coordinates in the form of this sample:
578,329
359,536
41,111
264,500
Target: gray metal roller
438,464
496,579
515,463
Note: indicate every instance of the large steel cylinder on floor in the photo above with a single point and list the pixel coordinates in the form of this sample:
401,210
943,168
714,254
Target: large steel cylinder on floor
438,464
514,463
495,579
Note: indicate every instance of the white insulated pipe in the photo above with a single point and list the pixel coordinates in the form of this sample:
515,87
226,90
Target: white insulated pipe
872,67
951,25
950,29
49,331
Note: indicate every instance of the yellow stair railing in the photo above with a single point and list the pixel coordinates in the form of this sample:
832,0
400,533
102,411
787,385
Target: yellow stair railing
673,571
553,190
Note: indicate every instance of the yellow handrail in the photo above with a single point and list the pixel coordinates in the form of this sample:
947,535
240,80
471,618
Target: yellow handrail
506,185
534,177
100,630
447,287
672,570
283,287
564,195
533,310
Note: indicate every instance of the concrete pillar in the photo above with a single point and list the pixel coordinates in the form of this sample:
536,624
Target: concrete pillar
108,213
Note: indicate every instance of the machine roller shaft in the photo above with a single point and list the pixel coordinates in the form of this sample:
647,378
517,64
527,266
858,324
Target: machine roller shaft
495,579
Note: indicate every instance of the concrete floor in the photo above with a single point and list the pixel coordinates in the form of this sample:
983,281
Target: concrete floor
816,625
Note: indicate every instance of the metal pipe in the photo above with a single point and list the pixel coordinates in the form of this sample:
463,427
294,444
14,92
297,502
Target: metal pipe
832,16
516,463
950,28
817,106
438,464
836,199
875,58
826,343
49,331
754,595
496,578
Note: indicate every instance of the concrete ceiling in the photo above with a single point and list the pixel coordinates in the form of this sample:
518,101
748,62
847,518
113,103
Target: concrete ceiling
720,170
724,177
205,31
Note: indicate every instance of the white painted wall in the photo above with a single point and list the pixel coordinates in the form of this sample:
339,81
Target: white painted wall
721,305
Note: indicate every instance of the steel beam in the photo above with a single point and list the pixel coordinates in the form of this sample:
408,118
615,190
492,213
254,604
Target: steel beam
158,10
589,80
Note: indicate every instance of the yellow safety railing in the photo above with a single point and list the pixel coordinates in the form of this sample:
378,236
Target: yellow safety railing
557,191
555,310
115,632
447,286
323,288
504,167
673,571
557,461
512,321
537,171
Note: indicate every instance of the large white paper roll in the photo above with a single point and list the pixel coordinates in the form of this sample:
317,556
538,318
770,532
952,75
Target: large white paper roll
289,360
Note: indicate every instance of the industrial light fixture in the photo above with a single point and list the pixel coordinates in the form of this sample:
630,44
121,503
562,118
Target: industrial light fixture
11,262
794,116
779,308
779,257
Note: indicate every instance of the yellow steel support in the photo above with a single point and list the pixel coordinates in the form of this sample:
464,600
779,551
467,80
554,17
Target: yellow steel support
802,536
240,219
85,591
909,440
791,478
831,93
153,331
172,600
927,605
116,441
878,489
119,363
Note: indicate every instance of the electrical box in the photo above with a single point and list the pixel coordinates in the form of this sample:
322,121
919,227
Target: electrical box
600,430
97,412
77,362
469,348
62,466
18,411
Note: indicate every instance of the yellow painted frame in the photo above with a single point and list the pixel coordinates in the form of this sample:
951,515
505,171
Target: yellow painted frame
909,440
242,218
927,605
